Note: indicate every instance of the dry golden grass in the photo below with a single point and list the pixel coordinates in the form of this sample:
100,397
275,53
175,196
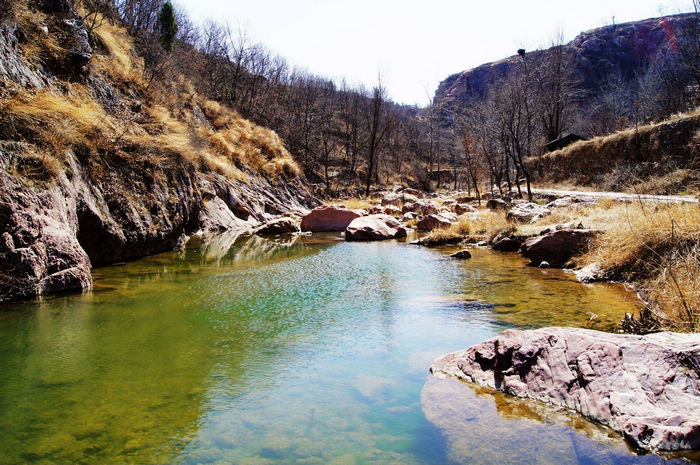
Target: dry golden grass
61,119
119,62
657,246
354,203
613,161
482,225
673,294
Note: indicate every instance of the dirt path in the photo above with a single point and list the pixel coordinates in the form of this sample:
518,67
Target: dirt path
616,195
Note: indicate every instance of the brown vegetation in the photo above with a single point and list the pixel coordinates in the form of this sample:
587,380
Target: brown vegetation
155,121
479,226
656,159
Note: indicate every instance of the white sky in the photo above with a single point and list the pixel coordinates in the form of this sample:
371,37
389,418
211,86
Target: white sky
414,44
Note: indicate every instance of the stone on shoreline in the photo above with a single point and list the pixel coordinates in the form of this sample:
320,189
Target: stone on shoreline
328,218
645,387
557,248
374,228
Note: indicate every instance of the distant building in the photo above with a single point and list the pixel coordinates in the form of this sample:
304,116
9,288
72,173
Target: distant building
562,142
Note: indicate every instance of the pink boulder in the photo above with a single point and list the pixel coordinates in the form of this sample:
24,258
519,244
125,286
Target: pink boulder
645,387
328,218
432,222
374,228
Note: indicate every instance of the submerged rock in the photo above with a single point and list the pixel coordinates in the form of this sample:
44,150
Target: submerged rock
646,387
374,228
557,248
462,255
328,218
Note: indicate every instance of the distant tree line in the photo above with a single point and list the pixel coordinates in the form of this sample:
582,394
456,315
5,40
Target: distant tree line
347,137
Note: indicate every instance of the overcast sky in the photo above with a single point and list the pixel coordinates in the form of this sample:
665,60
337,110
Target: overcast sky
414,43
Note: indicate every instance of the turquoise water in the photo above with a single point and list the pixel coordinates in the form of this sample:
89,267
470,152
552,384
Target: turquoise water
305,350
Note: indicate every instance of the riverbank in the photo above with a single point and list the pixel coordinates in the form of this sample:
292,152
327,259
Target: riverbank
650,245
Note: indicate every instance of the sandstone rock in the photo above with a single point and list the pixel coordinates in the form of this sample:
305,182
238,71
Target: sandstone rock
505,242
559,227
328,218
422,207
391,210
646,387
465,199
462,254
374,228
568,200
496,204
277,226
432,222
526,212
396,199
591,273
462,208
414,192
558,247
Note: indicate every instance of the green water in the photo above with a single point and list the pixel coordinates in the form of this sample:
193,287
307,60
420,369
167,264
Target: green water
305,350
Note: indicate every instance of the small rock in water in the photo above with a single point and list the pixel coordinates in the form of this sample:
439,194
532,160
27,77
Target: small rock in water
462,254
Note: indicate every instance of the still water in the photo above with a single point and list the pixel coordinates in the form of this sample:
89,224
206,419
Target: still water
303,350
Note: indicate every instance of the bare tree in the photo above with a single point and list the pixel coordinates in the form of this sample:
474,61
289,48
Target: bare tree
376,129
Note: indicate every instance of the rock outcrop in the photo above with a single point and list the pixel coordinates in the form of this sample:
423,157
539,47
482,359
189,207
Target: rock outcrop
328,218
646,387
374,228
597,54
55,231
556,248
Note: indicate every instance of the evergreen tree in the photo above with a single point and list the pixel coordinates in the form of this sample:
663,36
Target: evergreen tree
168,26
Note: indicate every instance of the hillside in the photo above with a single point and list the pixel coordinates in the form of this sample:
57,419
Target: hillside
657,158
102,162
598,55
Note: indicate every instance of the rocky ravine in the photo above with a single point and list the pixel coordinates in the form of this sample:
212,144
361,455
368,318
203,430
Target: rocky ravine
646,387
52,233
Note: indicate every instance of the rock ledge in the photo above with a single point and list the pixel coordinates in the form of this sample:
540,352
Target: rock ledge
645,387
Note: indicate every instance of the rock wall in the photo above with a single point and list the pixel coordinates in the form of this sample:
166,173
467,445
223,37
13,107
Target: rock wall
54,232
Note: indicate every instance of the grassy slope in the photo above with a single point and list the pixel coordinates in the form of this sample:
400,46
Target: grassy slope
662,158
166,121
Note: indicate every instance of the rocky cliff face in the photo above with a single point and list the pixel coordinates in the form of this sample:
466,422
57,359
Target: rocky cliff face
597,54
66,207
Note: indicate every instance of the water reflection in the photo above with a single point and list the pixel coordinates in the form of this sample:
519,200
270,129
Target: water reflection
473,418
297,349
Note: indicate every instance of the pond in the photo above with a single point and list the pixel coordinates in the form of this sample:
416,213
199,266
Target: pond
306,350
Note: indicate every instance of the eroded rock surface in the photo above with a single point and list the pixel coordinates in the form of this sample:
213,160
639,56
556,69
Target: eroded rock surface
646,387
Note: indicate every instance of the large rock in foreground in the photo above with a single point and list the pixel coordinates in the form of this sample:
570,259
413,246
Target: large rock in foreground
556,248
646,387
328,218
374,228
